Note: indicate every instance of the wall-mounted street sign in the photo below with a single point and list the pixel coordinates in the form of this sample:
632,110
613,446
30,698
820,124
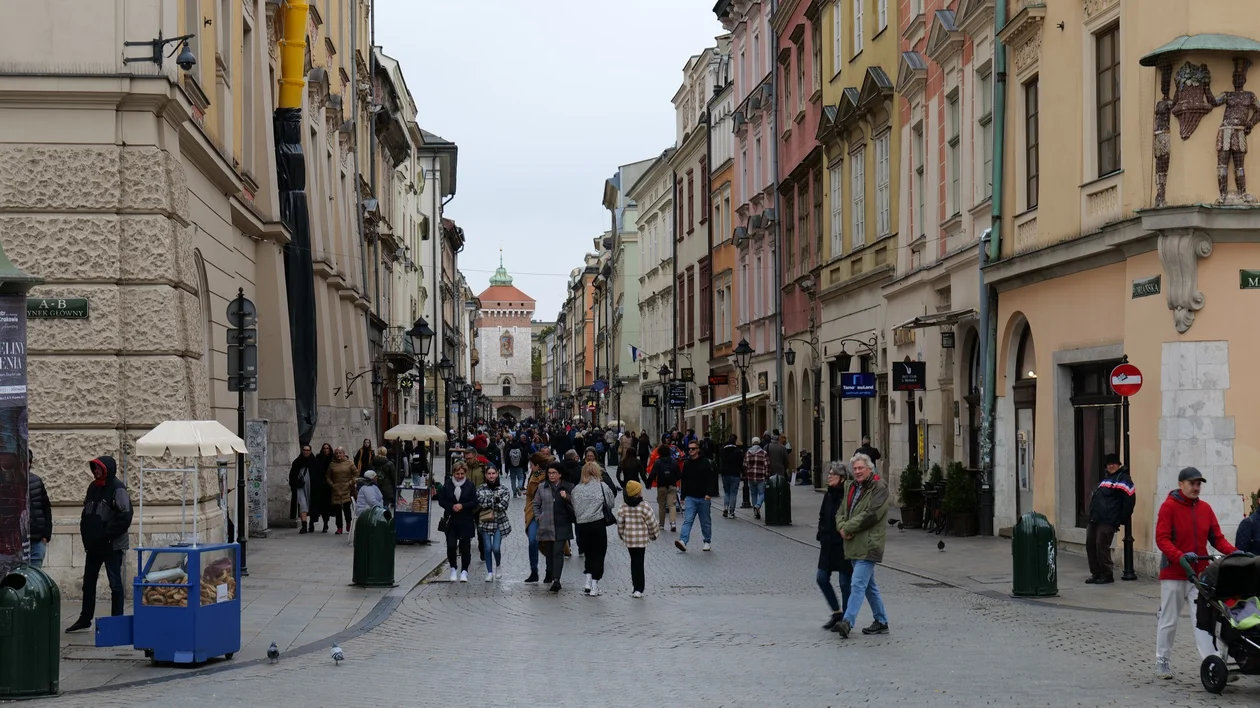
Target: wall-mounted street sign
909,376
859,384
688,374
1247,280
677,394
63,308
1126,380
1145,287
947,339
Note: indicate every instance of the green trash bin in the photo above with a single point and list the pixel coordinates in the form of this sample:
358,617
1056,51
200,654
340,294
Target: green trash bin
30,634
1034,551
374,549
778,501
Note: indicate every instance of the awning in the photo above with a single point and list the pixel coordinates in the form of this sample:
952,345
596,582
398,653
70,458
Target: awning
1232,44
952,317
190,438
724,402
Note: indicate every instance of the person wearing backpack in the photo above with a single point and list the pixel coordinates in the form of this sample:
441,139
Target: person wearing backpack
663,475
517,454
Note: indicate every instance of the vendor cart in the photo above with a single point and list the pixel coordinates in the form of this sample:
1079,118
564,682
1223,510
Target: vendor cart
186,600
415,492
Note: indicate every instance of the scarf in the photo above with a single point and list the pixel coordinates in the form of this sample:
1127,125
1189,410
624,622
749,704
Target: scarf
457,488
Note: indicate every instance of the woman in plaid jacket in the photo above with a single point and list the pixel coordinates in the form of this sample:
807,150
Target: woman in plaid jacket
492,520
636,526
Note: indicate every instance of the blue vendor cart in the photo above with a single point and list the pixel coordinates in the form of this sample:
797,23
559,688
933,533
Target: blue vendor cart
186,604
415,491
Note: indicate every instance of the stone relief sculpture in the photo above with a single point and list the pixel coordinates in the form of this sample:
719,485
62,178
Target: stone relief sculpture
1190,103
1242,112
1163,141
1179,252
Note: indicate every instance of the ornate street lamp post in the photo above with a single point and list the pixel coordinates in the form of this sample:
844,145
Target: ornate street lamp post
743,358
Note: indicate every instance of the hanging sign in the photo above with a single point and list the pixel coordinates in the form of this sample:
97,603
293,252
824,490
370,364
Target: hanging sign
909,376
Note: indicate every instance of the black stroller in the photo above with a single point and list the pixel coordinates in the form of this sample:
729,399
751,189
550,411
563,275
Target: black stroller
1225,609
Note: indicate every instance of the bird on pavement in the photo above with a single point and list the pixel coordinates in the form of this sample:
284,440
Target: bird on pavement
273,653
337,655
940,545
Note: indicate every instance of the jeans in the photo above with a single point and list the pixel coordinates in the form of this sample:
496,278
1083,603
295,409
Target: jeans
491,543
594,540
38,550
757,490
829,593
518,479
113,562
636,568
693,506
863,585
730,490
531,532
463,546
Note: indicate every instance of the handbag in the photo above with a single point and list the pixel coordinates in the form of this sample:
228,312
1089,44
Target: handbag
443,522
485,515
609,518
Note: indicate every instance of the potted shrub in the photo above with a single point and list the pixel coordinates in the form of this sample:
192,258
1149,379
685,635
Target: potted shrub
960,500
910,491
936,475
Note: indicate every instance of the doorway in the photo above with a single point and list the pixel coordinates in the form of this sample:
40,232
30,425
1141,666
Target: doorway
1024,395
1096,421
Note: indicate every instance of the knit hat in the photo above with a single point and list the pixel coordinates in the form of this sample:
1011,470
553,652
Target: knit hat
370,474
756,441
634,489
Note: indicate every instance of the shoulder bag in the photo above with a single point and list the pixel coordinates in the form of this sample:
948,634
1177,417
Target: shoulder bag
609,518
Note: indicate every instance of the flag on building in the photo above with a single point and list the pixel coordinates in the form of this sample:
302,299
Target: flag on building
636,353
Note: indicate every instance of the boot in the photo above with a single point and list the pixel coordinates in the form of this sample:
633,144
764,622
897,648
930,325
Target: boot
301,527
835,620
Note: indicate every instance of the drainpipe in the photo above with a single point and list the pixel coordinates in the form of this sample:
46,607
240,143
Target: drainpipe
990,250
673,261
358,177
778,228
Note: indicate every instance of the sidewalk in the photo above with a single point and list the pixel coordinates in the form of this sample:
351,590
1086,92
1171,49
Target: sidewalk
979,564
298,593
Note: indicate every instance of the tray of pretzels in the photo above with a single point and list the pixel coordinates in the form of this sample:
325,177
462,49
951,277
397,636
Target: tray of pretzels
217,574
172,592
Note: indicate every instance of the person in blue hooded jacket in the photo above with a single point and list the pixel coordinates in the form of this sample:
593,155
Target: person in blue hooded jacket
1248,537
103,527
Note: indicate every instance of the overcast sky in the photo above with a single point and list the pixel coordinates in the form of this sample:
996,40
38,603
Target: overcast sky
545,100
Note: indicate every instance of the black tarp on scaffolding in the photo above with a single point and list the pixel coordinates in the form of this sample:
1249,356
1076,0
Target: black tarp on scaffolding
299,274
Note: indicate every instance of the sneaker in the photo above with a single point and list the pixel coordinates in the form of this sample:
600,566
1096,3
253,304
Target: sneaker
756,512
463,576
637,595
673,528
725,513
533,577
1163,669
1105,580
489,577
876,628
835,620
680,545
707,546
586,587
338,532
1091,580
79,626
594,588
842,628
454,575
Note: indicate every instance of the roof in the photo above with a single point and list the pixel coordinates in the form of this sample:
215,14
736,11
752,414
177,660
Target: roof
504,293
501,276
1201,43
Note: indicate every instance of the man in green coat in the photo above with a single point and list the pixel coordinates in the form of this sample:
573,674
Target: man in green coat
861,521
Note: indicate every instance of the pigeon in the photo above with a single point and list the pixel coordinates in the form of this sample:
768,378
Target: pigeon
337,655
273,653
901,527
940,545
893,522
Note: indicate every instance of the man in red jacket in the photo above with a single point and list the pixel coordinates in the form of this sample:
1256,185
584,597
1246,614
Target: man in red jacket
1184,528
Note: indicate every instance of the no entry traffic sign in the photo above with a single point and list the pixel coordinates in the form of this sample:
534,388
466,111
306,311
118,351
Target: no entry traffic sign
1126,380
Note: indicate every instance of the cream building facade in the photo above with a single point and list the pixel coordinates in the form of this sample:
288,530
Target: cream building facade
654,193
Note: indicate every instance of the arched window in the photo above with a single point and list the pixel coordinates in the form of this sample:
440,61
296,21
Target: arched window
507,387
1026,361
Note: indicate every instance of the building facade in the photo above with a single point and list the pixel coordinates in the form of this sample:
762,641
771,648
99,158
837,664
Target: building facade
505,335
724,379
654,193
625,261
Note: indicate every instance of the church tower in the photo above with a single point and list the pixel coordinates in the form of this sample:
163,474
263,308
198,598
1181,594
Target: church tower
503,342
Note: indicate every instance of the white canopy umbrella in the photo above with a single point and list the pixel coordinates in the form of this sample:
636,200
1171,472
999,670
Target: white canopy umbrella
190,438
416,433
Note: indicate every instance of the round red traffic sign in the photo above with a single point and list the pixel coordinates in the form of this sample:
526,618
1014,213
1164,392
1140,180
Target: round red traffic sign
1126,380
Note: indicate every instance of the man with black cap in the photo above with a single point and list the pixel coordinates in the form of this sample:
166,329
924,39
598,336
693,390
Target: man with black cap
1110,506
1185,526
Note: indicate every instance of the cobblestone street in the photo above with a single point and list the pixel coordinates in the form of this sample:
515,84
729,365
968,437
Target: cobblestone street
735,627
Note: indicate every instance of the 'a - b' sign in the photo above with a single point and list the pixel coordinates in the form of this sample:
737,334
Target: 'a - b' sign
1126,380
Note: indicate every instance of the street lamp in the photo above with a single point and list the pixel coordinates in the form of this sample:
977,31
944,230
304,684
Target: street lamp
446,370
617,386
664,373
743,358
421,340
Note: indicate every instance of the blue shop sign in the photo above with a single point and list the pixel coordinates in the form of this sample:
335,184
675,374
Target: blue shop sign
857,385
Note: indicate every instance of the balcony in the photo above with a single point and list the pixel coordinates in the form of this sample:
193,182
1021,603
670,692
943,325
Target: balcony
397,348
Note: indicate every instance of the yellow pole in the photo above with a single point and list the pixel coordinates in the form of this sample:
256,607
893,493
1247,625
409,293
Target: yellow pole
293,54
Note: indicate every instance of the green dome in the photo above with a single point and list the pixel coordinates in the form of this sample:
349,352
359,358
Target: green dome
501,276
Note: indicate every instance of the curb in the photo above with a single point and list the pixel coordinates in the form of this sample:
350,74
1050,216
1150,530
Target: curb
378,614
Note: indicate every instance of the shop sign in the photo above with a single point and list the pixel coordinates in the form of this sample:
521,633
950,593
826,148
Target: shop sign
909,376
719,379
1145,287
688,374
651,400
859,384
1249,279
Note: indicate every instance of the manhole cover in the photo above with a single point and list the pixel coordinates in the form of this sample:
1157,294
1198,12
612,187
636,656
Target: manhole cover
930,586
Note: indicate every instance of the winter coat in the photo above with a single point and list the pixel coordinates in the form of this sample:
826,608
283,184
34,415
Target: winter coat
386,475
1247,539
554,513
106,511
40,508
498,499
531,488
1112,502
662,471
779,456
572,471
462,523
831,553
699,479
589,499
863,513
1186,526
630,470
301,476
321,491
636,522
516,456
731,461
756,464
363,459
341,476
369,496
477,470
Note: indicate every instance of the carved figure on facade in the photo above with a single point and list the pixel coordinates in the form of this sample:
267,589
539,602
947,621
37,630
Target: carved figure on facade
506,345
1190,103
1242,112
1163,140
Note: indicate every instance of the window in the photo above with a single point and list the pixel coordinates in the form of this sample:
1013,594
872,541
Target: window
507,387
787,93
718,235
247,93
837,209
818,215
744,284
802,219
883,189
857,170
723,318
756,67
952,153
837,34
743,182
727,227
743,73
984,133
1108,78
800,76
706,300
680,302
691,203
704,188
1032,138
789,233
757,288
883,15
858,39
757,183
679,206
919,186
816,54
224,20
691,305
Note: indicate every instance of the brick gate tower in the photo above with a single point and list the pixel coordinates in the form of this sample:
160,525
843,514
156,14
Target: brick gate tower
503,340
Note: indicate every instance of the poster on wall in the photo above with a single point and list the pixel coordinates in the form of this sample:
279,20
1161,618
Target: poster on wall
14,512
256,479
12,351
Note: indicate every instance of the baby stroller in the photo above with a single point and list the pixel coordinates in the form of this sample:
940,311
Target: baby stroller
1228,590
